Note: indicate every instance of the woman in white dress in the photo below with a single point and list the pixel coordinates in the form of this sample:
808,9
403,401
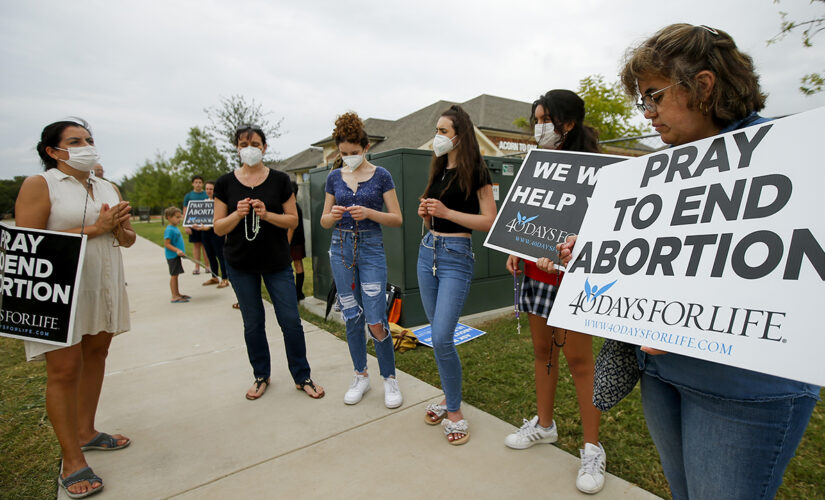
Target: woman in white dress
67,198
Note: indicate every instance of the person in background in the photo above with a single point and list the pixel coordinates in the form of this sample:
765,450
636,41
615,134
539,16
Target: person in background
175,250
458,200
213,246
98,170
254,208
558,119
67,198
355,196
297,249
195,235
721,431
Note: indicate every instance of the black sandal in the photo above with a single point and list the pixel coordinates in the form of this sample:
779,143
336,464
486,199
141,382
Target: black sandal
310,383
259,382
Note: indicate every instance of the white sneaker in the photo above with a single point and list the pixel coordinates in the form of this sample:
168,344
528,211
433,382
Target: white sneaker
359,386
392,394
531,433
591,472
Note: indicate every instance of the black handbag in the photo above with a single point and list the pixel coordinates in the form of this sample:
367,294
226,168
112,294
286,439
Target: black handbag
616,374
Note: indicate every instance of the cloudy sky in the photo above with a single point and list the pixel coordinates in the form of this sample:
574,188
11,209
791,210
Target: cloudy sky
142,72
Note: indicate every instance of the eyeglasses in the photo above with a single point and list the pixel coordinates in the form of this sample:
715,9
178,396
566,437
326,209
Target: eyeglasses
648,102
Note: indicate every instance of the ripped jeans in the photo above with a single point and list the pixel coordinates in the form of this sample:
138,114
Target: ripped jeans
362,294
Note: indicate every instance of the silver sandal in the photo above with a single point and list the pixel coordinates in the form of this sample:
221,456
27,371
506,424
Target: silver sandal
435,410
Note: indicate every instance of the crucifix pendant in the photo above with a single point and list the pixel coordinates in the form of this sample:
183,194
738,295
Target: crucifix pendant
434,268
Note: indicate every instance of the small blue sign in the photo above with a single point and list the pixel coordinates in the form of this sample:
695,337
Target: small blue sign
463,333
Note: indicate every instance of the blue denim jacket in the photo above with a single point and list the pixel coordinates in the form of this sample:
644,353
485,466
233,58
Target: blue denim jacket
716,379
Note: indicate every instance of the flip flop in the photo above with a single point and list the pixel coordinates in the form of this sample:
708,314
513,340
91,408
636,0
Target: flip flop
309,383
84,474
223,284
179,301
105,442
260,388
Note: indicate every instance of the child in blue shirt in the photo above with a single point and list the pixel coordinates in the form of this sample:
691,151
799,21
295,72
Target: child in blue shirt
173,242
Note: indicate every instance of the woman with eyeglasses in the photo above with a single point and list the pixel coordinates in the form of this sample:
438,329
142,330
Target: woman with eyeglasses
457,201
356,191
721,431
558,120
67,198
254,208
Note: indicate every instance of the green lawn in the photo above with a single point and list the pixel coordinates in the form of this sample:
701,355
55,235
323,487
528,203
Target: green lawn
497,379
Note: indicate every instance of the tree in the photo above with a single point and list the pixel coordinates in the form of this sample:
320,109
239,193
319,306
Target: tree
157,184
608,109
812,83
232,112
200,157
9,188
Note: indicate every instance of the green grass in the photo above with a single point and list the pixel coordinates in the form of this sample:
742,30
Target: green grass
498,379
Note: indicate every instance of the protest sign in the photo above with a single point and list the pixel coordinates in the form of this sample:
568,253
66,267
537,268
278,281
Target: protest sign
199,213
546,202
40,275
712,249
463,333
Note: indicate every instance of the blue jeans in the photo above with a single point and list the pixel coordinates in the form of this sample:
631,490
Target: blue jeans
445,271
362,294
712,447
281,288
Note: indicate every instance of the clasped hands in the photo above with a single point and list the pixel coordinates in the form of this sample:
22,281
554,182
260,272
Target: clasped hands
113,217
357,212
247,204
431,207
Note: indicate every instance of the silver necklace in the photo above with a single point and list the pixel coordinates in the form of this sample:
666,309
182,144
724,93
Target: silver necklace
256,226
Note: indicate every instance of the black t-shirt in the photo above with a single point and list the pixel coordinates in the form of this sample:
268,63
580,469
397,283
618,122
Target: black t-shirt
269,251
455,199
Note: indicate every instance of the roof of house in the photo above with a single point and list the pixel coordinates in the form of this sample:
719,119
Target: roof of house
307,158
417,128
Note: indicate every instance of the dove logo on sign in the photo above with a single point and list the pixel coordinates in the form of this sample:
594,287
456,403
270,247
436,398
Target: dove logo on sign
523,219
592,291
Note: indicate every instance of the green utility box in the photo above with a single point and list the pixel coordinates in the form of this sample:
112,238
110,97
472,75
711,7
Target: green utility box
492,286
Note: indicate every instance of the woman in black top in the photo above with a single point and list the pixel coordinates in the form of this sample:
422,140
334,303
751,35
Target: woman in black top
459,188
254,208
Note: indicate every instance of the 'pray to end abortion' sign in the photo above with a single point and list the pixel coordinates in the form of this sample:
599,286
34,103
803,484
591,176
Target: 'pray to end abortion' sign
199,213
40,274
712,249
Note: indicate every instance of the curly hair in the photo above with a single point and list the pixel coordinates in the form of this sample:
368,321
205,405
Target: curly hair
350,128
680,51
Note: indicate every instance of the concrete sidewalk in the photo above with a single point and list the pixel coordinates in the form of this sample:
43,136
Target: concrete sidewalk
175,384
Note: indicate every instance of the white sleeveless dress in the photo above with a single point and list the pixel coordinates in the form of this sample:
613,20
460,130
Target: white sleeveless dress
102,304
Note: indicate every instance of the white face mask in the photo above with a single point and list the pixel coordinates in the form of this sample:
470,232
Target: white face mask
82,158
353,161
251,155
442,145
546,136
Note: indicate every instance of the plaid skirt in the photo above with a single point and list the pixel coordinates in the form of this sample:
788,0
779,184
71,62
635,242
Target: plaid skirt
537,297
